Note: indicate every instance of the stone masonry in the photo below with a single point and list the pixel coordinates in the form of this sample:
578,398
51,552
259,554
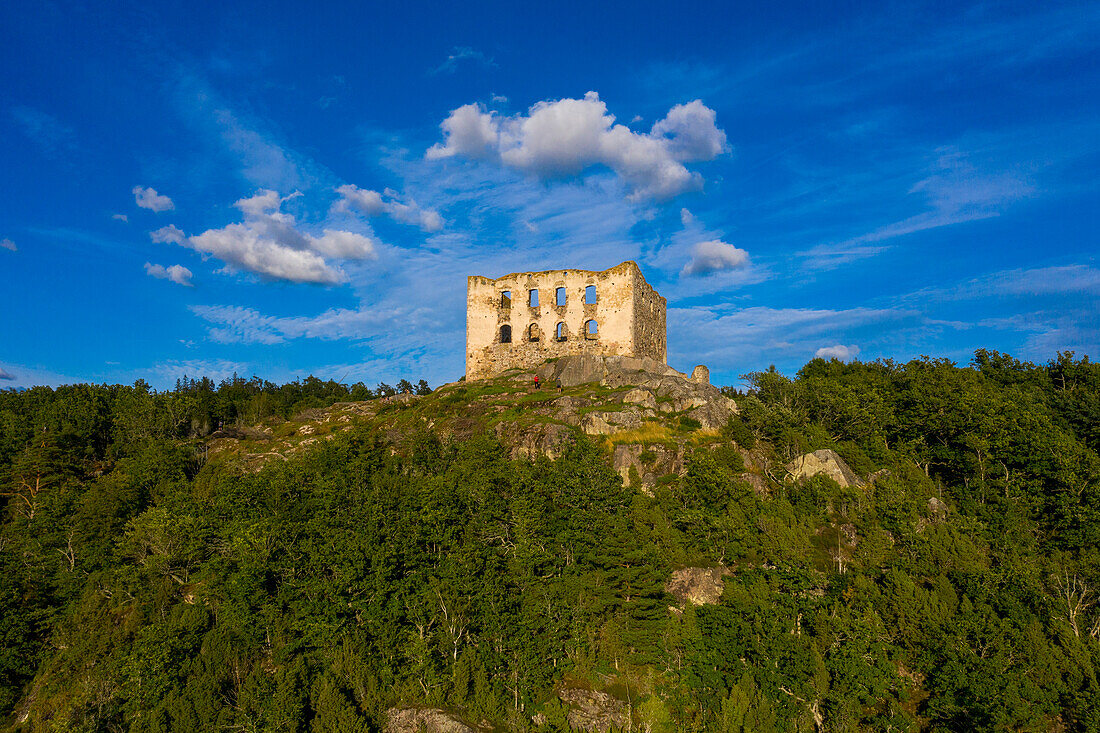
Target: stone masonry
523,319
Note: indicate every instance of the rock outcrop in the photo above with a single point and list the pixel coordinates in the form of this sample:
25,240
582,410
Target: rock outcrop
427,720
648,462
594,711
823,462
656,387
698,586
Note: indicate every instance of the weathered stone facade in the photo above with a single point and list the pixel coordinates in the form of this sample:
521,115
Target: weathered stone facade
610,313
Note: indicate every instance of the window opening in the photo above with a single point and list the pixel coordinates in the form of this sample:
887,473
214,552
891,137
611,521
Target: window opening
560,296
560,333
533,298
506,299
533,332
590,294
505,334
591,330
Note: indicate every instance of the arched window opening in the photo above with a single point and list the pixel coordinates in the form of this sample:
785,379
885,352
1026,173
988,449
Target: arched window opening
506,299
533,298
591,330
560,297
533,332
505,334
559,335
590,295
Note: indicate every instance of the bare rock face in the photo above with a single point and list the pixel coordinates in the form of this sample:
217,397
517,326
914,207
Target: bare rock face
613,421
428,720
698,586
659,461
651,381
594,711
549,439
639,396
757,483
825,462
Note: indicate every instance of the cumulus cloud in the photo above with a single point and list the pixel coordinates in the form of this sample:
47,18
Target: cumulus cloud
8,244
176,273
6,375
838,351
372,203
170,234
714,256
148,198
686,217
270,244
565,137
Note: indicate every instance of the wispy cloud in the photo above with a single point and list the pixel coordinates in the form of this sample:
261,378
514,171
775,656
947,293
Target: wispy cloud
56,139
9,245
725,337
955,191
6,376
1053,280
459,55
217,369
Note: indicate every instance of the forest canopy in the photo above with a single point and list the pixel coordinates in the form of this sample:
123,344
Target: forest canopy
146,588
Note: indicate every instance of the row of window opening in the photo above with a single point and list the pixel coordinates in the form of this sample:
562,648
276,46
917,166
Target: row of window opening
533,333
559,297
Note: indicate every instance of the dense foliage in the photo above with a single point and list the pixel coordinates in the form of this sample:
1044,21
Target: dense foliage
147,590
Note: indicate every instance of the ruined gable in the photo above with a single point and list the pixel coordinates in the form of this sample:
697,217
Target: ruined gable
522,319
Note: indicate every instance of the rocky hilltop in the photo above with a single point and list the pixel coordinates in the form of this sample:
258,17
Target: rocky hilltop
648,414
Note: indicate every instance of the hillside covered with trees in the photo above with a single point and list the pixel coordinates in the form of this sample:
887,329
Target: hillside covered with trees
149,587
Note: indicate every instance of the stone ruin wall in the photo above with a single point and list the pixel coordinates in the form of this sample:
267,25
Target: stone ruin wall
650,332
629,313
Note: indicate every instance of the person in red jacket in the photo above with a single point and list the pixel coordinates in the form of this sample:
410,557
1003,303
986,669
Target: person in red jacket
536,381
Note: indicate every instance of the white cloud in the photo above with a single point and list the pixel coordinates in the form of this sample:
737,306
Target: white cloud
169,234
6,375
372,203
838,351
564,137
270,244
8,244
691,132
120,217
714,256
148,198
686,217
176,273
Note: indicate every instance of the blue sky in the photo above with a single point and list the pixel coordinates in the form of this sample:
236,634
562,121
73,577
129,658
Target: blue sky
285,190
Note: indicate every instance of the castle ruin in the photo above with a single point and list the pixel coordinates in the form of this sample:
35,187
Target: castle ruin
523,319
